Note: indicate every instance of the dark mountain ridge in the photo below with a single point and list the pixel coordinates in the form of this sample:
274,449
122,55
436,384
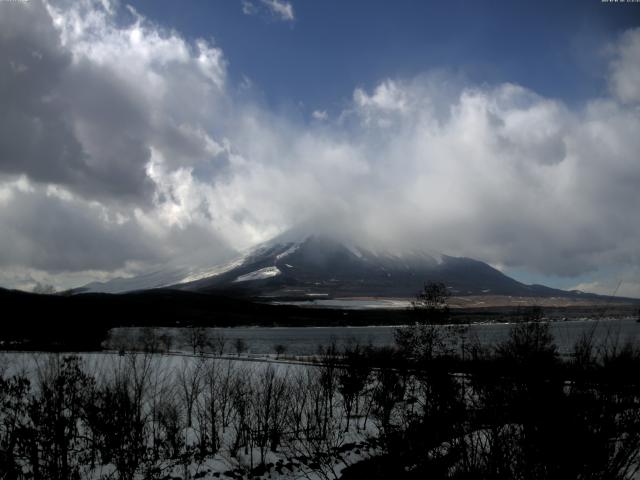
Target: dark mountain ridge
320,266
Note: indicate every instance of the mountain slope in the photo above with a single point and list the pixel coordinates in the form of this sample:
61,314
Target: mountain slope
295,265
320,266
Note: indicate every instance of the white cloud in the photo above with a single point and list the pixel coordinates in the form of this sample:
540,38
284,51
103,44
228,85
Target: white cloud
610,287
320,115
387,100
281,9
249,8
625,69
386,96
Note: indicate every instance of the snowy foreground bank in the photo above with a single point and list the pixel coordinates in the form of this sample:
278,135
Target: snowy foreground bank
104,415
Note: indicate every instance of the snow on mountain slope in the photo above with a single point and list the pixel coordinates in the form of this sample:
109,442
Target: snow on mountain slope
165,276
288,251
213,271
295,266
261,274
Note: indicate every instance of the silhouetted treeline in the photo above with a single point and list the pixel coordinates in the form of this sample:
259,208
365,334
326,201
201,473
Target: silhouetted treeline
80,322
455,409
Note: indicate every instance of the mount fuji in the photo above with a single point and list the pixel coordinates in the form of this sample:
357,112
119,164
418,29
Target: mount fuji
316,266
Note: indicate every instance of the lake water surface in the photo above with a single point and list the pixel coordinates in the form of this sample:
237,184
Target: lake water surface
305,340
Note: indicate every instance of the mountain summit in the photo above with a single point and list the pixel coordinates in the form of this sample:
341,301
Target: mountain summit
320,266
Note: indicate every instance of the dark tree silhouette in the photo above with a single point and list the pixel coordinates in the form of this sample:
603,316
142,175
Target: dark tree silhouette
280,349
432,303
240,346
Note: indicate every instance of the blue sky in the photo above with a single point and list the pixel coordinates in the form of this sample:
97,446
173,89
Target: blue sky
333,46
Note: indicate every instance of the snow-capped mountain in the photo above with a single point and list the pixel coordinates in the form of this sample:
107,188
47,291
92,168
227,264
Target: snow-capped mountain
295,265
318,265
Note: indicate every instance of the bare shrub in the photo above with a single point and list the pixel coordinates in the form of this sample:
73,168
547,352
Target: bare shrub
58,415
196,338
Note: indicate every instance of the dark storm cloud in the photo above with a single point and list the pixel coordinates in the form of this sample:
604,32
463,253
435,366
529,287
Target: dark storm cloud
50,233
46,96
48,230
35,131
80,116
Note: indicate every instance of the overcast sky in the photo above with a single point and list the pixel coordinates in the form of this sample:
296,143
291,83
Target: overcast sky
132,135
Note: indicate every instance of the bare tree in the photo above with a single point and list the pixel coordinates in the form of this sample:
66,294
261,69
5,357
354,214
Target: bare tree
431,304
215,405
196,338
189,378
211,406
280,349
170,425
120,425
299,396
241,420
530,341
352,379
58,414
240,346
422,342
14,406
152,340
319,440
218,342
270,408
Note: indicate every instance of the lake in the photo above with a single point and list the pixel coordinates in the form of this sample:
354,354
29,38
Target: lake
305,340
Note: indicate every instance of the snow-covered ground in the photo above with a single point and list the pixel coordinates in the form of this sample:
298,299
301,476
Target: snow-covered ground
250,401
